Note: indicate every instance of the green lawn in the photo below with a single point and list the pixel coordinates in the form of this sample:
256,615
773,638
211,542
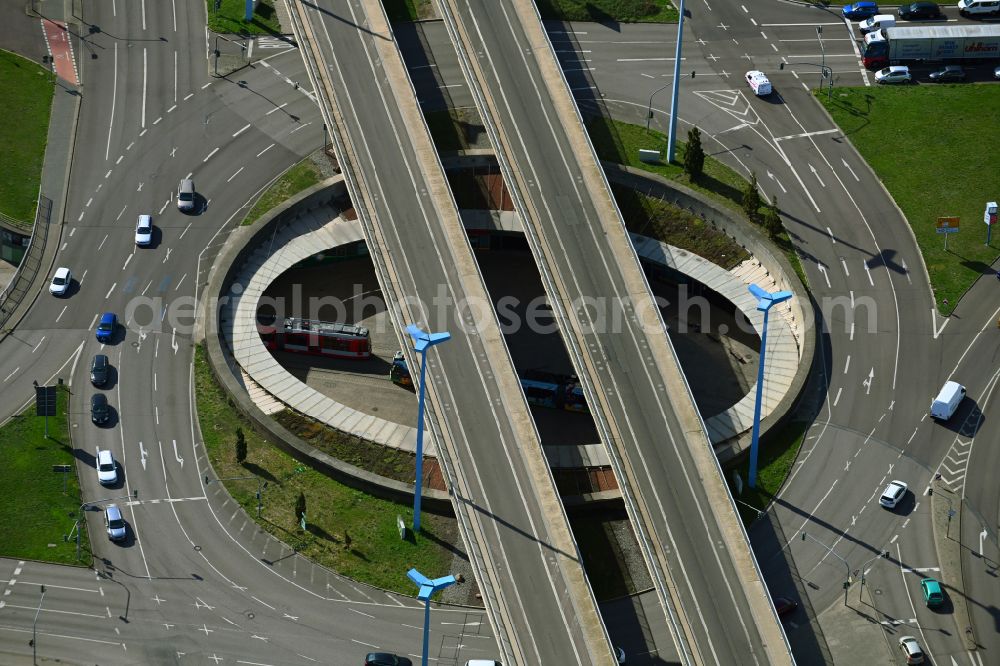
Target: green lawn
37,513
774,463
229,18
299,177
376,554
26,103
607,11
935,148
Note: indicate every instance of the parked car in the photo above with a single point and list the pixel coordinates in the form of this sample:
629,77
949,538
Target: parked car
114,523
920,10
978,7
106,327
144,230
949,73
893,74
759,83
386,659
911,650
99,370
784,605
931,591
877,22
107,469
893,492
61,281
100,412
859,11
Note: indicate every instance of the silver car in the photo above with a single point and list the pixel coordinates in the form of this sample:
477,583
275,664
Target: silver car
144,230
115,524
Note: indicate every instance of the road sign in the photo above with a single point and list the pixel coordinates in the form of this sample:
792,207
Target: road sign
62,468
947,225
990,214
45,400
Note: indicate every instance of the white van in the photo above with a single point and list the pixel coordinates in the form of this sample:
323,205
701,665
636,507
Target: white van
978,7
947,401
758,83
876,36
876,23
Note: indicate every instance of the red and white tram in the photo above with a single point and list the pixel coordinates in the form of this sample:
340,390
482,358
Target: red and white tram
322,338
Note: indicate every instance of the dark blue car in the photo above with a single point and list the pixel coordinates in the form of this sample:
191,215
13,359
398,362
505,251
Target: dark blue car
859,11
106,327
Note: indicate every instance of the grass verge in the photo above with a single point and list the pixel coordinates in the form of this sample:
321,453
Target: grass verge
229,18
619,142
348,531
299,177
775,460
28,90
608,11
407,10
37,512
889,127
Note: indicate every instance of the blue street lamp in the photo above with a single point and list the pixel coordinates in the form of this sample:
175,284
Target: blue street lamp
427,588
421,343
764,303
672,132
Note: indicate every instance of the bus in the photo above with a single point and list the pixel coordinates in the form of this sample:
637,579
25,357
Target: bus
320,338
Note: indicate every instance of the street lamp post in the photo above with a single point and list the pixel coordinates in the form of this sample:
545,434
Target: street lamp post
427,588
649,108
34,634
672,134
765,301
822,48
864,566
421,343
847,581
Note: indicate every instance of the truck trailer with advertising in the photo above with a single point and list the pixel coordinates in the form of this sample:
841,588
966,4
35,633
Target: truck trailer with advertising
944,43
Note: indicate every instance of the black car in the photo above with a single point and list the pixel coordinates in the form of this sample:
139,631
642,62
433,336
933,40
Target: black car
949,73
99,370
100,412
920,10
385,659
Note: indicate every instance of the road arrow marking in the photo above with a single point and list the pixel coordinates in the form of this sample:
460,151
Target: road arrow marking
868,388
848,167
869,272
777,182
813,169
176,455
173,340
982,535
843,262
822,269
143,456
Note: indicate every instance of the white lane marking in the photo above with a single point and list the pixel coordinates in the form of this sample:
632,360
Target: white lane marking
14,372
38,345
241,130
92,322
114,96
276,109
177,456
235,174
804,135
61,313
142,121
262,602
204,86
185,230
832,238
209,156
847,364
869,272
837,399
187,97
157,121
122,212
128,260
265,150
179,282
108,295
102,241
843,262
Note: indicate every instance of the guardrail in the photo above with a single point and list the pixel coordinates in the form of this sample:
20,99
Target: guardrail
19,286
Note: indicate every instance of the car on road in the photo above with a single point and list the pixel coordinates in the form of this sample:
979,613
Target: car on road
386,659
144,230
978,7
758,83
114,523
877,22
920,10
859,11
931,591
185,195
99,370
949,73
61,281
100,412
911,650
784,605
893,492
893,74
106,327
107,469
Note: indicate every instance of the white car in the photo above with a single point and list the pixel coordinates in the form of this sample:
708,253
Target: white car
893,492
894,74
758,83
144,230
107,469
996,73
60,282
911,650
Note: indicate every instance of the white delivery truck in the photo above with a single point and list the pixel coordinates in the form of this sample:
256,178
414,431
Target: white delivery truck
947,401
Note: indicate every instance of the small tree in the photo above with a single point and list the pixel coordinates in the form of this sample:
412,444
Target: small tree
241,446
694,155
772,221
751,198
300,507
